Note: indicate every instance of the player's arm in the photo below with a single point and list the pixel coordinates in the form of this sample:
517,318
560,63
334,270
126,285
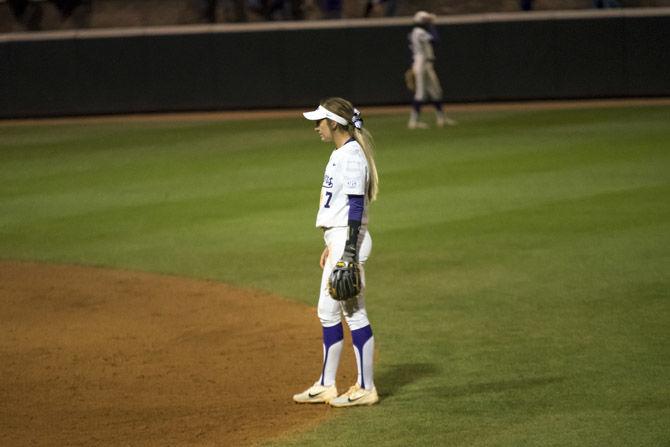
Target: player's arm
434,36
356,206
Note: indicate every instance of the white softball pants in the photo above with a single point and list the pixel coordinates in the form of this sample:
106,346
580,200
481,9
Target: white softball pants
427,85
329,310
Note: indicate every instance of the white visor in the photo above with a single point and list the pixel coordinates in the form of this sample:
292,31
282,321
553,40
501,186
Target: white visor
321,112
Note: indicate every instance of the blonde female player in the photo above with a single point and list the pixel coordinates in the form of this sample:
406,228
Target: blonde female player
349,186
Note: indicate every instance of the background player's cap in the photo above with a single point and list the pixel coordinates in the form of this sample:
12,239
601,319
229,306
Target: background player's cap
424,17
321,112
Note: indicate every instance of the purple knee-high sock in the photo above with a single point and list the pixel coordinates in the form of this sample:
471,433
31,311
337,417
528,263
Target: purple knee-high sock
332,348
364,346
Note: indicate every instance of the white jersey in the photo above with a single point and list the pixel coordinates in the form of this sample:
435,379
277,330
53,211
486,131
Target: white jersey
421,44
346,174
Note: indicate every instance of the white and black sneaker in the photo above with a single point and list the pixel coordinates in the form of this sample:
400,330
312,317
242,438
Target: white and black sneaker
356,396
316,394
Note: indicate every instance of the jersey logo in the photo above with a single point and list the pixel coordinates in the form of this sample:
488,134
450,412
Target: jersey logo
327,181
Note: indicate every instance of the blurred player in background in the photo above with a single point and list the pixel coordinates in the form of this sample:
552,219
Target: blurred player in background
426,83
349,186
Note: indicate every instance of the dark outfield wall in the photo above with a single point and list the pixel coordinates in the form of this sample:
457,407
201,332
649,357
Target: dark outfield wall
622,53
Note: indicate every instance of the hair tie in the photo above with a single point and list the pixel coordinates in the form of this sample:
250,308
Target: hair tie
356,120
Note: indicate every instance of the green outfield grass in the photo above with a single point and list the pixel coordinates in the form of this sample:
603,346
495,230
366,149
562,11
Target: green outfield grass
519,283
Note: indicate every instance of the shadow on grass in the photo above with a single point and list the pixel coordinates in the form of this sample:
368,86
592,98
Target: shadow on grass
394,377
493,387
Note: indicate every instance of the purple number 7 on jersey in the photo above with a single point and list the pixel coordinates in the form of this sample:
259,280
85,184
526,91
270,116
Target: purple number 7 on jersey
329,195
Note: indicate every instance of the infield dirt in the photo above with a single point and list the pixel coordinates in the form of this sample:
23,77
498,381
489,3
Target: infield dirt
92,356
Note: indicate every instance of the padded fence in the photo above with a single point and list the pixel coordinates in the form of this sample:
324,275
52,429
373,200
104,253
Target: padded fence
498,57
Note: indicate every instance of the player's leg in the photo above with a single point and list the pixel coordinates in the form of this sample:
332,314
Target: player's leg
364,391
329,312
434,90
419,96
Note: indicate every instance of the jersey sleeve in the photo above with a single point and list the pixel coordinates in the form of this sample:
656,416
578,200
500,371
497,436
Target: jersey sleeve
353,176
356,208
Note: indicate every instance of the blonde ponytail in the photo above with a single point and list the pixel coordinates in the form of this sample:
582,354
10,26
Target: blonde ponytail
364,138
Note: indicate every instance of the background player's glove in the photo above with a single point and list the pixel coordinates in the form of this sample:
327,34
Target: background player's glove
345,280
410,81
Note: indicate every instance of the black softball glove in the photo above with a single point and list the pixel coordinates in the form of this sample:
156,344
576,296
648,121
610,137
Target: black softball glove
345,280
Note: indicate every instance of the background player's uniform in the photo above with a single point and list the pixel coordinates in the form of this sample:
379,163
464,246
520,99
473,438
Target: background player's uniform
426,81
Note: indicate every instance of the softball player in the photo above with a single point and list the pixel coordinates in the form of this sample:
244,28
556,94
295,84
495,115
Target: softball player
427,85
349,186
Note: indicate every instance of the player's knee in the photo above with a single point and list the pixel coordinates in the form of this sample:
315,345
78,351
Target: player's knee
357,321
328,318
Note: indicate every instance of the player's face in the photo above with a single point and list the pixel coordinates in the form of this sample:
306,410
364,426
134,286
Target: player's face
323,130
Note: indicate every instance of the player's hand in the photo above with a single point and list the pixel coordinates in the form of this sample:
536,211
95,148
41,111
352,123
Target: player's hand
324,256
